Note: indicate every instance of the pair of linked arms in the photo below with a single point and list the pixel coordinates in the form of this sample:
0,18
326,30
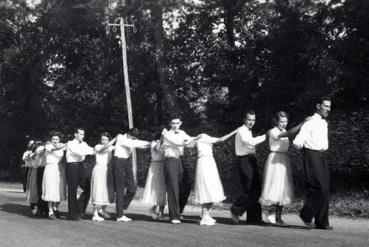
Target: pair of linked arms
190,141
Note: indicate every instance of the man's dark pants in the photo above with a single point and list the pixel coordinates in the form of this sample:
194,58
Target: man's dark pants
186,184
317,199
173,172
251,190
124,184
77,175
41,204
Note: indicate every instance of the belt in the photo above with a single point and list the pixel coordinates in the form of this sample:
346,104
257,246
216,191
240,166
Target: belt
312,150
279,152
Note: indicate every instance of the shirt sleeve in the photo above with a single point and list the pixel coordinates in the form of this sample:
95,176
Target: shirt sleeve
49,147
246,138
300,139
129,143
274,133
81,150
98,148
140,144
171,139
25,156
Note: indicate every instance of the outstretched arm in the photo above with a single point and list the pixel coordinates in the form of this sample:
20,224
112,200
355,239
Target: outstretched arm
293,130
247,138
101,148
225,137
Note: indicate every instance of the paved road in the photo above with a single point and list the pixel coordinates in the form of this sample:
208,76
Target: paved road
19,228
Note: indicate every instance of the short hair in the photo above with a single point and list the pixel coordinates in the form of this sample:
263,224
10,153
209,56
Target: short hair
157,135
175,116
249,112
78,129
105,133
279,115
323,98
55,133
133,132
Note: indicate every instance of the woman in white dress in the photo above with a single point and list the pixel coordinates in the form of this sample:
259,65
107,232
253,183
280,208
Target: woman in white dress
99,181
277,184
53,182
208,186
155,188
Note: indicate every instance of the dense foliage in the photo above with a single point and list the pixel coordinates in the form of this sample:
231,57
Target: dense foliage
210,60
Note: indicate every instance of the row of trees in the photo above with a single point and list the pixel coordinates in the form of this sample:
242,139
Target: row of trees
210,60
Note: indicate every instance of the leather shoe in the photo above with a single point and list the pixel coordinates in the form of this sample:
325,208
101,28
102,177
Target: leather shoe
307,223
83,216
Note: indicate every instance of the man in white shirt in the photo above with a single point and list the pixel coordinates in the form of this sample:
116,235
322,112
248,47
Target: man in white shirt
245,144
124,183
77,149
313,140
174,142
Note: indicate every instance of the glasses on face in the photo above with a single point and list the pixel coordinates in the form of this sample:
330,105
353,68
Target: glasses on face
175,123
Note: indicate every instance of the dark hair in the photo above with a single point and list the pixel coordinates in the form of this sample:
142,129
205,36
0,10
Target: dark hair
279,115
29,147
157,135
78,129
175,116
55,133
38,142
105,133
249,112
133,132
323,98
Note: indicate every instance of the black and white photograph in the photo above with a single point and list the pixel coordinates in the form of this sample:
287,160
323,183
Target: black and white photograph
184,123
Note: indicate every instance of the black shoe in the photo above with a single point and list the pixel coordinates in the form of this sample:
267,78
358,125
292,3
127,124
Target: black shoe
306,222
73,219
83,216
57,214
52,217
324,227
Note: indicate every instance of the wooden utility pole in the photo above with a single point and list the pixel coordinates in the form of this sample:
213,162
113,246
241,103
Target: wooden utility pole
120,22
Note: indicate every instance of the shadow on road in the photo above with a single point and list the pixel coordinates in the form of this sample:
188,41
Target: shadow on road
228,221
17,209
15,191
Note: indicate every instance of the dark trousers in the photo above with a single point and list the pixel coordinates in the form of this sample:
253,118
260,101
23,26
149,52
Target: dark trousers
41,204
124,184
317,199
186,185
77,175
173,172
251,190
24,172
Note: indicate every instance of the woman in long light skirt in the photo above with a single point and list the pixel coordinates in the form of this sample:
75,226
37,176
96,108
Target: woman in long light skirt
208,186
155,188
99,178
53,182
277,183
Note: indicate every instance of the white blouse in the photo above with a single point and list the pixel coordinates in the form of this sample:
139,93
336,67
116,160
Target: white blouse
104,156
278,144
205,145
53,157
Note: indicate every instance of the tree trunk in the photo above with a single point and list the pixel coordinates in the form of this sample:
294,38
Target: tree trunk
161,65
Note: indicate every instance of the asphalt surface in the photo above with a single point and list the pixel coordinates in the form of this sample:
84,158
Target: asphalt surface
19,228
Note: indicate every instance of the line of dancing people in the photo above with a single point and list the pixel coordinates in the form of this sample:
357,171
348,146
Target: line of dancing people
167,180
